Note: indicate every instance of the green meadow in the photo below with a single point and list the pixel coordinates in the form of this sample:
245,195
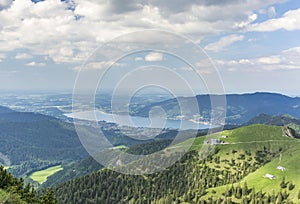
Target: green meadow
255,137
41,176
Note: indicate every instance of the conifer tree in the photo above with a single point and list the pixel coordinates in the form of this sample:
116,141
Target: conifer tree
283,184
245,189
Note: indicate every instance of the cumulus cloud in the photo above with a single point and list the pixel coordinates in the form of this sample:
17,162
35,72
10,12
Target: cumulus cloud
223,43
245,23
5,4
98,65
269,60
204,67
138,59
67,35
286,60
35,64
154,57
289,21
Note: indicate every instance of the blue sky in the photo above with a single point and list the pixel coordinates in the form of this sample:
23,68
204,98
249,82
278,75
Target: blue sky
254,44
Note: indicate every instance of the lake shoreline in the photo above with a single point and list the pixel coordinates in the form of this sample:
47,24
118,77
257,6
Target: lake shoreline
137,121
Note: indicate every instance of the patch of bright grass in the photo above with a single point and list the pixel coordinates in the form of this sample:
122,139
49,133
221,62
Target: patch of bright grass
41,176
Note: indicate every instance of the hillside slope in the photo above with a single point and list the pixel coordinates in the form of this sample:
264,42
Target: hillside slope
278,120
31,141
194,179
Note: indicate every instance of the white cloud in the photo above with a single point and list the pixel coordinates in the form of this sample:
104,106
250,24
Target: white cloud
269,60
36,64
138,59
68,36
98,65
286,60
154,57
5,3
93,65
245,23
204,67
291,56
223,42
252,39
23,56
289,21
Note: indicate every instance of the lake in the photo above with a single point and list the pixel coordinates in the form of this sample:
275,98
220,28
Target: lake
136,121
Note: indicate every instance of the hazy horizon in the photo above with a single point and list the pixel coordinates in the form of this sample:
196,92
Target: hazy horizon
50,92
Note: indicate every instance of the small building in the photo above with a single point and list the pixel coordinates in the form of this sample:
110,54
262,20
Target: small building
212,141
119,162
224,136
281,168
269,176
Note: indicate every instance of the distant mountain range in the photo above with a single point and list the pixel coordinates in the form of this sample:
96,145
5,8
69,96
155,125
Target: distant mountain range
240,107
4,110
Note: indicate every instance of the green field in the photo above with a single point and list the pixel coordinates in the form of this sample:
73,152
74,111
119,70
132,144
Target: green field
119,147
256,137
290,160
41,176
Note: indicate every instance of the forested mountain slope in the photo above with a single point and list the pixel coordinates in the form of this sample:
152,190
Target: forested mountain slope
220,177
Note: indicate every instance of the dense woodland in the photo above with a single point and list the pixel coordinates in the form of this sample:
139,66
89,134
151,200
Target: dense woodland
34,142
186,181
89,165
14,191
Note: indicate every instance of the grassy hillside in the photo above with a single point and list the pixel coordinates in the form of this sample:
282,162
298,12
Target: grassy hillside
41,176
256,137
290,160
248,154
73,170
254,133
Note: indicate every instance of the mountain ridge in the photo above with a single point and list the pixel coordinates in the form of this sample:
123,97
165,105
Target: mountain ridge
240,107
278,120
